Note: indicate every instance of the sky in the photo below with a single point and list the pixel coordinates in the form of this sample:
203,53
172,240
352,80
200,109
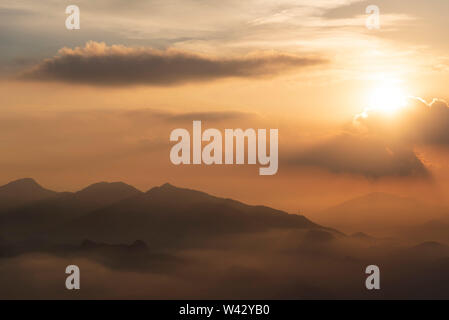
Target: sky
358,110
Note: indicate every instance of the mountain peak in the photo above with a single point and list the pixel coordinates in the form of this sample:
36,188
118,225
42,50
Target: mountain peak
21,191
163,187
108,186
23,186
107,192
27,182
168,186
169,191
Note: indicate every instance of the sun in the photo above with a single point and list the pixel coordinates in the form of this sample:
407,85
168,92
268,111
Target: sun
388,98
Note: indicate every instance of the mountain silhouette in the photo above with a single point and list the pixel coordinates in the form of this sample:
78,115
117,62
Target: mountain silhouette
103,193
31,218
182,243
22,191
377,213
164,216
170,216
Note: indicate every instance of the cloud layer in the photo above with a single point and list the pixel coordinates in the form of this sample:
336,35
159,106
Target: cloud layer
378,145
362,155
99,64
419,122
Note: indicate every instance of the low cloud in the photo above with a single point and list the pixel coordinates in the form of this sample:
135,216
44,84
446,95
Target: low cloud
99,64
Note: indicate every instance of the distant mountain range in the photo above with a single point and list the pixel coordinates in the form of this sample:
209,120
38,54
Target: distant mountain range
181,243
119,213
379,213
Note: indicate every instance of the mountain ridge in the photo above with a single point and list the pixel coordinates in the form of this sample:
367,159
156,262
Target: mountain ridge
117,212
377,212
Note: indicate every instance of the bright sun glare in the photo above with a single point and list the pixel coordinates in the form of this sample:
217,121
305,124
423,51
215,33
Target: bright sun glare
388,98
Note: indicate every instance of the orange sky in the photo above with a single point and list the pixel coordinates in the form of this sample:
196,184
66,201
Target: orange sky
307,68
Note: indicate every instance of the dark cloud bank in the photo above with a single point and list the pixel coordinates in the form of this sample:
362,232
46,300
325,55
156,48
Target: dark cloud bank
353,154
99,64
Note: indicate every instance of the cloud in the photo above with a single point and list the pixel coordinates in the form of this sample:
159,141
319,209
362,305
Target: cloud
419,122
210,116
362,155
378,145
99,64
